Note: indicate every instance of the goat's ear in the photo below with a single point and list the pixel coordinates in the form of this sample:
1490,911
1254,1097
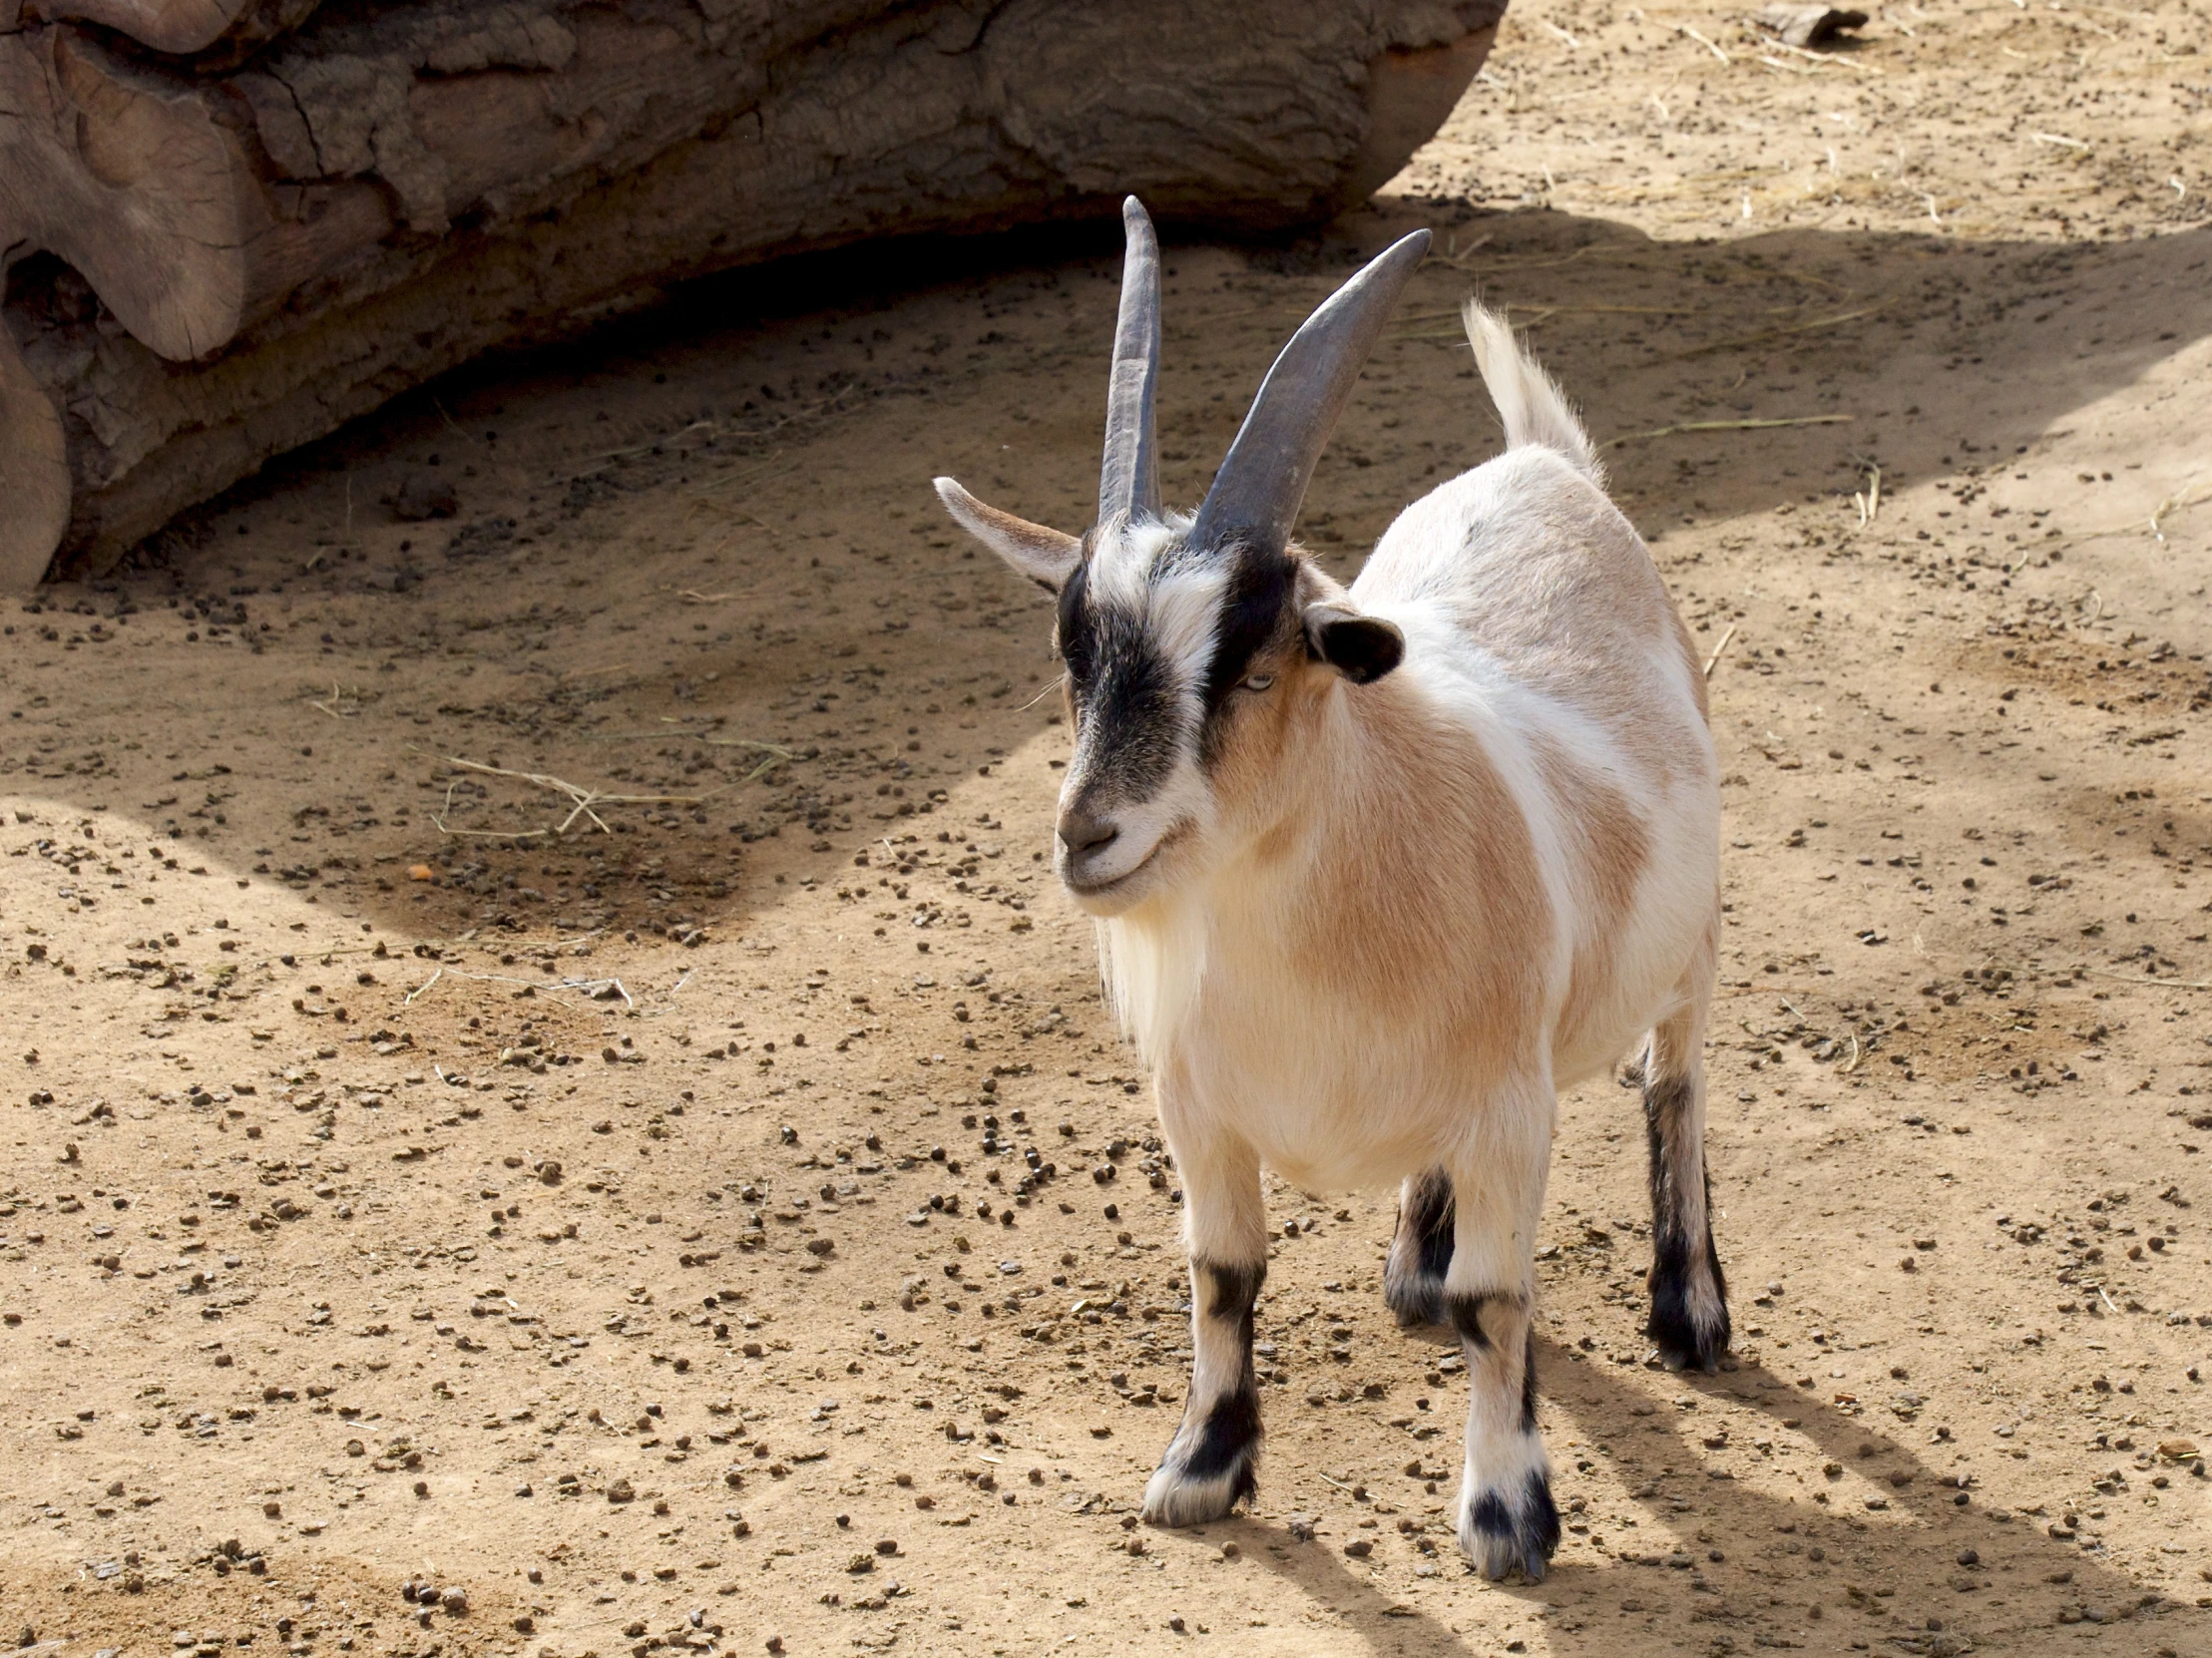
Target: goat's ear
1046,556
1361,647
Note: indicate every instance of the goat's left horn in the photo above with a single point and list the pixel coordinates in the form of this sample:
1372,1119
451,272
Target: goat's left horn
1128,477
1263,479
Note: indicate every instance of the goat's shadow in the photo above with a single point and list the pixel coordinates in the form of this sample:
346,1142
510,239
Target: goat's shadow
2018,1576
1362,1599
1964,1578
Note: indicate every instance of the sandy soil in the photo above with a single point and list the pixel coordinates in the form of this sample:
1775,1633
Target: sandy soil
628,1229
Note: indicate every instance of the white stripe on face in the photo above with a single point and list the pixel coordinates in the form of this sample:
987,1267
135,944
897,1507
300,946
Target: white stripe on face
1144,581
1185,612
1122,558
1147,574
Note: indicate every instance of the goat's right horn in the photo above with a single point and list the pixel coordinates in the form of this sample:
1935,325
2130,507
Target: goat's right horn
1128,477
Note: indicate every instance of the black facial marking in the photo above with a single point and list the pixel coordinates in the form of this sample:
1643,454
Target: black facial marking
1254,611
1116,676
1075,625
1674,1251
1421,1253
1251,616
1465,1312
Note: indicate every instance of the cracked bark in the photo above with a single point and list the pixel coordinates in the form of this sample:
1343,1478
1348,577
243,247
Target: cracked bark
211,265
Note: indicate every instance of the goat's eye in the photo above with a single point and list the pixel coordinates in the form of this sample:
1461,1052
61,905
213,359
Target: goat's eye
1260,681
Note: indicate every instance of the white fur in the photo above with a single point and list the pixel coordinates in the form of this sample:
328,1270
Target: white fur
1202,964
1123,555
1530,402
1337,1092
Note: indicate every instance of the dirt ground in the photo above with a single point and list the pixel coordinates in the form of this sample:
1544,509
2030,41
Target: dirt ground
634,1230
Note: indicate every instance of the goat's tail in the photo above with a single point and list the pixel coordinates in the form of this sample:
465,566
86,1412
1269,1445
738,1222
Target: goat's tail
1530,402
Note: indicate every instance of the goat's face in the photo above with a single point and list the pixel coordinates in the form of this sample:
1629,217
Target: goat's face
1195,645
1191,675
1190,672
1167,649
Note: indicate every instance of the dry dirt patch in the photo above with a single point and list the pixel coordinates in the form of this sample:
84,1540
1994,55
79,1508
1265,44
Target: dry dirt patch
758,1187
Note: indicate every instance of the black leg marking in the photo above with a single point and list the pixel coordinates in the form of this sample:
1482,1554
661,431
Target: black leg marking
1421,1254
1231,1293
1507,1533
1464,1314
1674,1326
1209,1466
1528,1382
1229,1443
1232,1428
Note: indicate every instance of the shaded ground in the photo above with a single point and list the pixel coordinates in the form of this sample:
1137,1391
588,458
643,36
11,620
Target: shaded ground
626,1228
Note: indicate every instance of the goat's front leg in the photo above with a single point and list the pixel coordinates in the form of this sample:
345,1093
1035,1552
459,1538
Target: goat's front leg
1507,1519
1209,1467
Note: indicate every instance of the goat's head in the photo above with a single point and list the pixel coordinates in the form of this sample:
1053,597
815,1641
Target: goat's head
1196,646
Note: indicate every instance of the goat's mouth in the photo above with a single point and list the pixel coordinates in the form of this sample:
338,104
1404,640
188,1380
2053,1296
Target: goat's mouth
1107,890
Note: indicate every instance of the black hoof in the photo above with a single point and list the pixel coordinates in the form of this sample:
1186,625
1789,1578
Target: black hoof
1504,1530
1689,1327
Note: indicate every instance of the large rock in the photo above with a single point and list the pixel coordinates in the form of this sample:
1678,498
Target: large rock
223,253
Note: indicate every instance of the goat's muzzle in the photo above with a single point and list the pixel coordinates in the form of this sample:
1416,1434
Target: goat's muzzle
1110,860
1084,834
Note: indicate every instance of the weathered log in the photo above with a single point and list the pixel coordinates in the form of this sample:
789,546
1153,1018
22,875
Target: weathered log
227,28
144,187
234,264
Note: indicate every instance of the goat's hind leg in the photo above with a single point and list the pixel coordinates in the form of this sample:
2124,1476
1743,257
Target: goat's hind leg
1689,1296
1420,1255
1210,1464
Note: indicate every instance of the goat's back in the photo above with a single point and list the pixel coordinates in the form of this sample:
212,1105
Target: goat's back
1534,571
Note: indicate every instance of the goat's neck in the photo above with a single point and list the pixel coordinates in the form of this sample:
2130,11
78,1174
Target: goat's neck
1341,794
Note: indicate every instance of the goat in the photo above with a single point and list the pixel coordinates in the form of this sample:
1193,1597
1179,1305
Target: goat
1378,871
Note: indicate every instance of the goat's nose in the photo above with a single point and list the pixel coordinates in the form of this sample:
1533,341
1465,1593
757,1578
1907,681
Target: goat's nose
1080,832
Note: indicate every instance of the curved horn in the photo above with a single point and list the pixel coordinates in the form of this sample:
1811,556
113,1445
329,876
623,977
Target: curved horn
1128,477
1264,476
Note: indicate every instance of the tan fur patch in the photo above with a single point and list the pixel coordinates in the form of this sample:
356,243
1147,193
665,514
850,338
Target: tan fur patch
1396,924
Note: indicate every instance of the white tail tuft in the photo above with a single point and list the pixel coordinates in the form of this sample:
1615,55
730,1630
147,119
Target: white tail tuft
1528,401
